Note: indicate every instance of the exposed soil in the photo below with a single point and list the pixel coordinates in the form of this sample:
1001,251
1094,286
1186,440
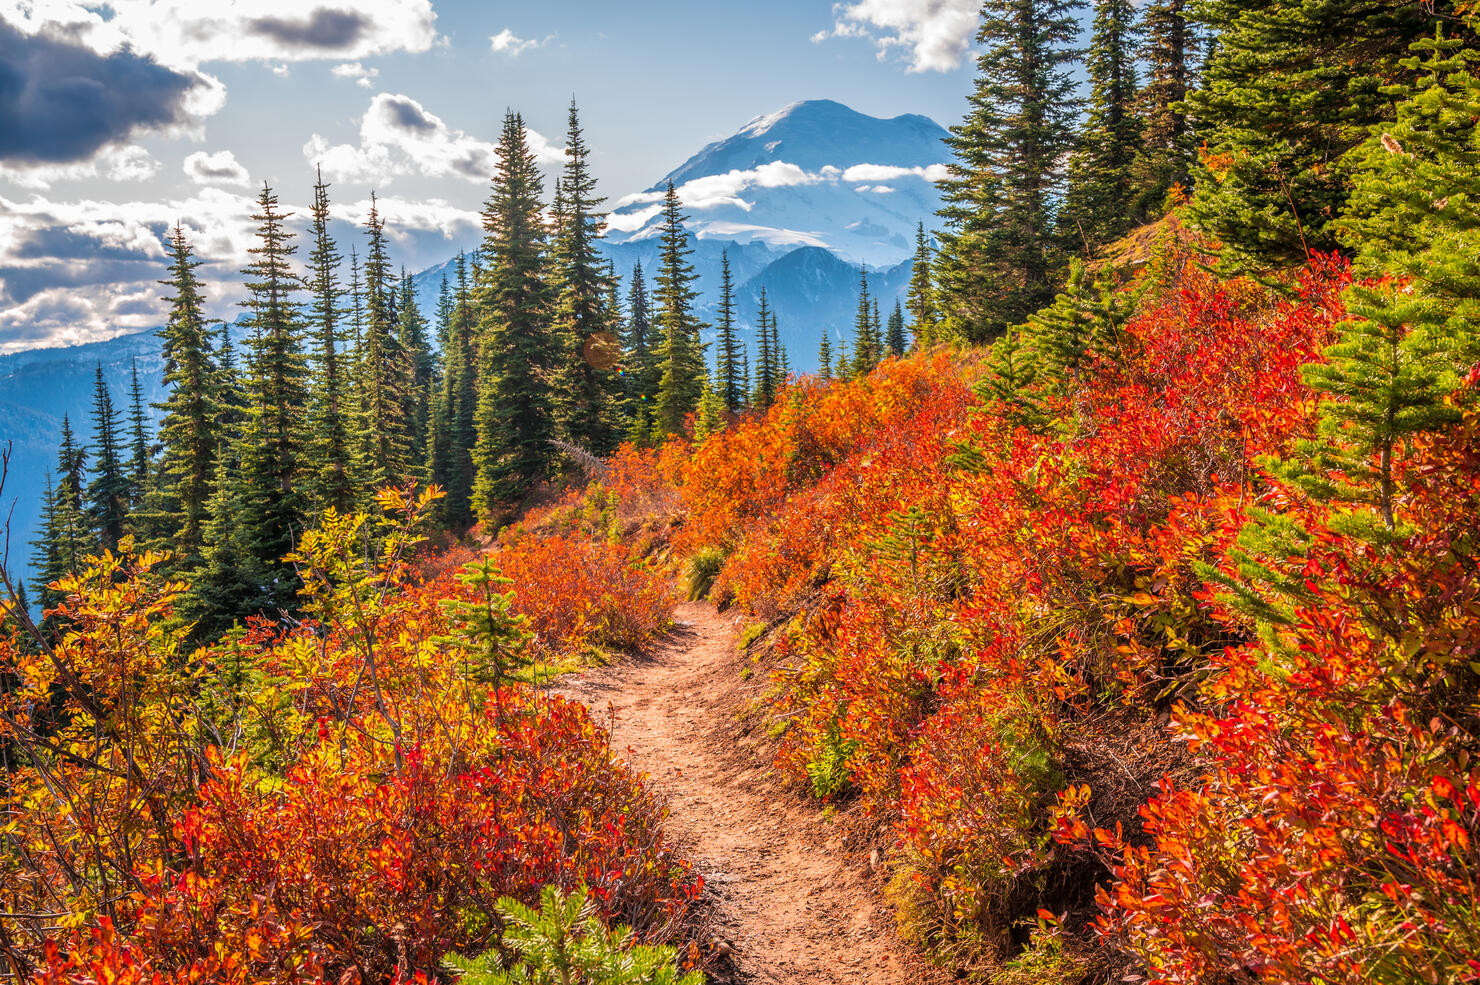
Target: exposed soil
794,904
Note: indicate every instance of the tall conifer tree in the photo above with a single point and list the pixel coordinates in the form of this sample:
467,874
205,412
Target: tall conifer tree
730,388
331,482
108,491
1170,51
519,353
385,378
682,354
1000,253
138,439
921,295
1099,206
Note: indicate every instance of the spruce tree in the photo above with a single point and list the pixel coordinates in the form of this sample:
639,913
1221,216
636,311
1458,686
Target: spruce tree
515,421
1000,253
1099,203
681,355
385,378
269,511
641,373
74,534
1290,88
138,431
1170,52
731,391
417,374
921,297
894,341
767,366
1086,321
824,356
108,492
331,483
455,438
46,557
589,386
865,355
191,425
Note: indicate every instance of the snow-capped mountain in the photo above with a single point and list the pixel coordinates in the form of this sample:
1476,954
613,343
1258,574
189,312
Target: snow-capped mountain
816,173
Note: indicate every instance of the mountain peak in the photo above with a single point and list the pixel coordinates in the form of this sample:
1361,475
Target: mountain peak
815,172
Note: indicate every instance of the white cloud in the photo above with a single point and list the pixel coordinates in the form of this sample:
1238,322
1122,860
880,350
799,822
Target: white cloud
890,172
113,163
767,234
876,189
218,168
363,77
189,33
399,136
934,33
404,217
628,222
508,43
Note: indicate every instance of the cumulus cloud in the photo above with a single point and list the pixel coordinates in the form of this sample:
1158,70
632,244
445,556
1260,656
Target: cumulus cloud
190,33
398,135
889,172
127,163
934,34
64,102
361,75
506,42
218,168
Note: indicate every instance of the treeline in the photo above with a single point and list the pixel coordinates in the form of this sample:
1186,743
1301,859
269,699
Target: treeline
1256,115
342,386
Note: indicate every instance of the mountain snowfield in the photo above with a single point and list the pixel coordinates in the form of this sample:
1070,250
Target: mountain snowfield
799,200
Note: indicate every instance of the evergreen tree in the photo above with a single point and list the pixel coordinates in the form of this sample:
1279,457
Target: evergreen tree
921,296
417,374
1000,253
824,356
1098,207
231,393
268,510
865,354
641,372
331,482
46,558
108,492
589,387
138,431
710,418
453,468
190,427
730,388
1291,87
682,354
1167,148
73,534
894,341
385,377
767,365
515,415
1085,322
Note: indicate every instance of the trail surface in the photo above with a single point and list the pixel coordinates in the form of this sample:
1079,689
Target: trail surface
793,903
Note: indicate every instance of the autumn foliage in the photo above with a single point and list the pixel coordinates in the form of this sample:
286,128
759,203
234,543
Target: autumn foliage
1006,621
345,798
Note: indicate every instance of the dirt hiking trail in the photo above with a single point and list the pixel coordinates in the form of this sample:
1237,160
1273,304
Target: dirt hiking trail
795,906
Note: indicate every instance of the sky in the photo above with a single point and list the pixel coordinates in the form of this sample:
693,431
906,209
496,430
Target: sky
119,119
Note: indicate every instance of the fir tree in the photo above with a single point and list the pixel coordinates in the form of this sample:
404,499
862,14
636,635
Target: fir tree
894,341
589,386
417,374
46,558
1291,87
515,415
767,365
73,535
191,422
460,397
1085,322
269,510
730,388
108,492
682,354
385,378
865,353
138,430
1098,206
710,418
921,296
1167,149
1000,254
824,356
641,373
331,483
